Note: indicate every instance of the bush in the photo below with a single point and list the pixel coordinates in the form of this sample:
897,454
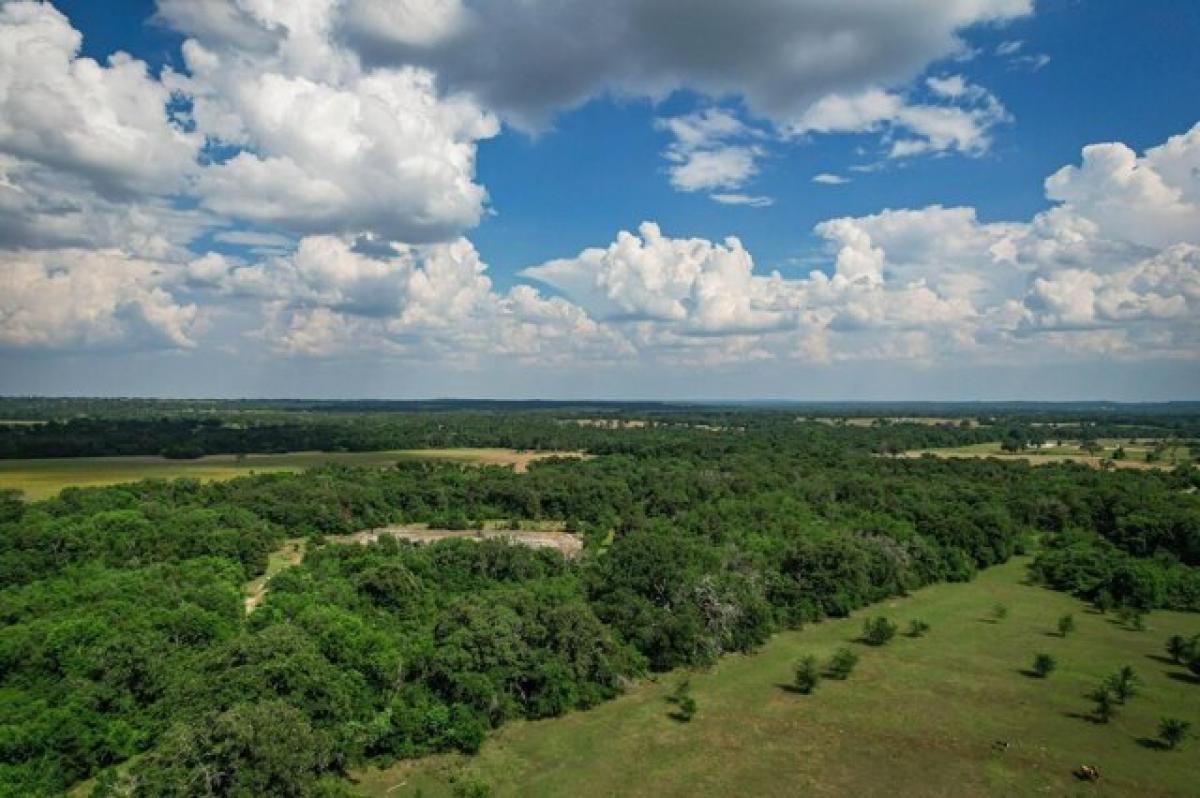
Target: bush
1173,731
917,628
999,612
807,676
1044,665
1066,625
878,631
1123,684
841,665
1105,705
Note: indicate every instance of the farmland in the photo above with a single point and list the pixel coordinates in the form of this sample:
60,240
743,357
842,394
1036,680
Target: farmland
918,716
1109,453
42,478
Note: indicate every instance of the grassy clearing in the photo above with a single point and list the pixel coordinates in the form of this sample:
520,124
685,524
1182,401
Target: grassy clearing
1135,454
43,478
289,554
917,717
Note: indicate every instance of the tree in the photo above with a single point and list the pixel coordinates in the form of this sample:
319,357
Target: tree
1173,731
1123,684
1044,665
917,628
1105,705
1177,647
999,612
842,663
1066,625
685,704
878,631
807,675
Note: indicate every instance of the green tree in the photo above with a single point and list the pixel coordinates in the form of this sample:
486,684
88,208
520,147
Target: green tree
1123,684
1105,704
1177,648
1044,665
807,675
1173,731
841,665
1066,625
878,631
917,628
999,612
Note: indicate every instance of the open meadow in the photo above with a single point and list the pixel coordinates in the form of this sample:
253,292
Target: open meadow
43,478
1135,453
919,716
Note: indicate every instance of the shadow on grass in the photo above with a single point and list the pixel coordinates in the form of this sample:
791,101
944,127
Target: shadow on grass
1089,717
1153,743
679,717
1183,676
987,620
1059,635
1162,659
793,689
1030,674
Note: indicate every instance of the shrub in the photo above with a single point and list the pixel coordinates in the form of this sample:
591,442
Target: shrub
999,612
1044,665
1177,648
1066,625
878,631
917,627
1123,684
841,665
1173,731
807,676
1105,705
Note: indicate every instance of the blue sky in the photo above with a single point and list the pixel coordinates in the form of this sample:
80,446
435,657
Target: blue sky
415,262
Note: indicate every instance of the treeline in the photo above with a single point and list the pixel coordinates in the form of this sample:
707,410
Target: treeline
123,632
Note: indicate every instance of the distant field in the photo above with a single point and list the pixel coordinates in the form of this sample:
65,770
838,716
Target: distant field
42,478
918,717
1135,454
870,421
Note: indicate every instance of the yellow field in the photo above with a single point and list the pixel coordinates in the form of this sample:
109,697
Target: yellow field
42,478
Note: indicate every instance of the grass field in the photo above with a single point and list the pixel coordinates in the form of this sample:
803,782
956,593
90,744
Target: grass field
40,479
1135,454
918,716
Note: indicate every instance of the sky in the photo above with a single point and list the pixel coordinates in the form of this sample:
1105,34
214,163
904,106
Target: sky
637,199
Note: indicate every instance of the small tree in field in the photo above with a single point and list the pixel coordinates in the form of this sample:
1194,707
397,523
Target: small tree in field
1105,705
917,628
1123,684
807,676
1173,731
1044,665
999,612
878,631
842,663
1066,625
1177,647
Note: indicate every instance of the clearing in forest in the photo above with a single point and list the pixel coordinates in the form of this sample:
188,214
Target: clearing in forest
544,537
1135,453
45,477
919,716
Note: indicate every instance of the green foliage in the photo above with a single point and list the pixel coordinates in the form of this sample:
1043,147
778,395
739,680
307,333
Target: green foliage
1044,665
1173,731
999,612
685,703
1123,684
878,631
122,608
1105,707
1066,625
807,675
917,628
842,664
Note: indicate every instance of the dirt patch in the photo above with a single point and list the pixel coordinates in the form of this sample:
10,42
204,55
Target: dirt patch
568,544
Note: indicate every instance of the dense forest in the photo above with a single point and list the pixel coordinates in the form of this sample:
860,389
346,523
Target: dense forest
125,640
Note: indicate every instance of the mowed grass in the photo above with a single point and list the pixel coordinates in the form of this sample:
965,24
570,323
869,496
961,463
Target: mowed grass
917,717
43,478
1135,454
